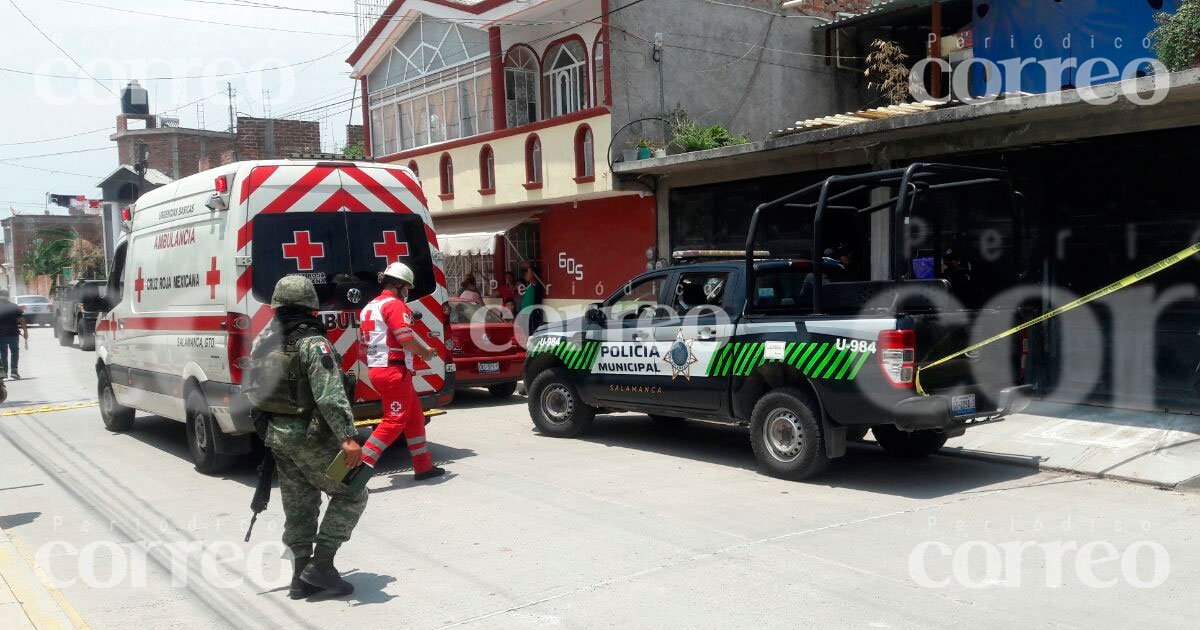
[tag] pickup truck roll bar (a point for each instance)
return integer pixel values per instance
(906, 184)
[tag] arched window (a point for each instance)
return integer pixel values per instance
(565, 77)
(521, 71)
(585, 160)
(487, 171)
(600, 93)
(533, 162)
(446, 173)
(416, 170)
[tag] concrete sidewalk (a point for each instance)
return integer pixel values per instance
(28, 599)
(1160, 449)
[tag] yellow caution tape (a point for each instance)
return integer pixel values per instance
(16, 411)
(374, 421)
(1095, 295)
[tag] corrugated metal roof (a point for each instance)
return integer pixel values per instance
(878, 8)
(850, 118)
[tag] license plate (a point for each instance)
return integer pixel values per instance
(492, 367)
(962, 405)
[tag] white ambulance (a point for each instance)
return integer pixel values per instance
(191, 287)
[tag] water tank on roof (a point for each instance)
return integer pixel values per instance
(135, 99)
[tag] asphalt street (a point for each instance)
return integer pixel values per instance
(633, 526)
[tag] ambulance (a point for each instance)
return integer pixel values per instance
(191, 282)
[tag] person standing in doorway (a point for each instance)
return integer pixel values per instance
(531, 299)
(507, 292)
(12, 328)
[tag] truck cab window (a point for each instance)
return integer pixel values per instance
(639, 299)
(700, 289)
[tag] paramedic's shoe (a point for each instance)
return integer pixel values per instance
(322, 574)
(430, 474)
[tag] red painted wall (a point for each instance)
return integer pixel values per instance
(608, 237)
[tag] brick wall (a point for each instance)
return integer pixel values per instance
(260, 138)
(354, 135)
(177, 153)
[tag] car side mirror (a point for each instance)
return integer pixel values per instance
(595, 314)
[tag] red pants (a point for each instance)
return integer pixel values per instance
(402, 415)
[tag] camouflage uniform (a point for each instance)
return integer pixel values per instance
(305, 446)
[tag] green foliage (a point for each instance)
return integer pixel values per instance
(1176, 40)
(887, 72)
(355, 150)
(48, 253)
(646, 143)
(690, 136)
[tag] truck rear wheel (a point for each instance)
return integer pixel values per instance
(555, 405)
(202, 439)
(786, 435)
(87, 341)
(117, 417)
(64, 338)
(909, 444)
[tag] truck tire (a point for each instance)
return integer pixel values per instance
(909, 444)
(86, 342)
(555, 405)
(202, 442)
(786, 435)
(503, 390)
(117, 417)
(64, 338)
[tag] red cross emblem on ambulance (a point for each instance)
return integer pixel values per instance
(391, 249)
(303, 250)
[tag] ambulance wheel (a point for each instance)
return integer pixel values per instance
(201, 437)
(786, 435)
(117, 417)
(555, 405)
(503, 390)
(909, 444)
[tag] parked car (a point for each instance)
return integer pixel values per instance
(37, 308)
(485, 350)
(77, 306)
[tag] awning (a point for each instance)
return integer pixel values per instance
(460, 236)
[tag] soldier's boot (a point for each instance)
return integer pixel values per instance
(301, 589)
(321, 572)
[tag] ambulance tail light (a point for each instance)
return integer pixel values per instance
(898, 357)
(239, 346)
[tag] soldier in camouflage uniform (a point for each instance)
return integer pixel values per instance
(296, 388)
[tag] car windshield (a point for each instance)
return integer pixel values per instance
(465, 313)
(339, 249)
(32, 299)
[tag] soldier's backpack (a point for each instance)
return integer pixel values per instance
(273, 382)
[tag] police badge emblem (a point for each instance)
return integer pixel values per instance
(680, 357)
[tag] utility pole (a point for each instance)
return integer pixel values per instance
(232, 122)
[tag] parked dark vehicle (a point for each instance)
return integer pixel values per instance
(78, 306)
(808, 356)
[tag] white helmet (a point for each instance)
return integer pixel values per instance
(400, 271)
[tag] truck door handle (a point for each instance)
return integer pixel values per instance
(637, 336)
(707, 334)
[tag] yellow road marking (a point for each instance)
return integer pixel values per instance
(64, 605)
(16, 411)
(1165, 263)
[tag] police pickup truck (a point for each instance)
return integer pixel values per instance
(805, 358)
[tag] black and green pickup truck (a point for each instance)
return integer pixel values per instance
(805, 356)
(78, 306)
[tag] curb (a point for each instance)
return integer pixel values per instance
(1190, 486)
(28, 598)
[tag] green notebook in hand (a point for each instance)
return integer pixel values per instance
(355, 479)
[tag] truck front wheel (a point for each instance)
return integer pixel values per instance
(555, 405)
(786, 435)
(909, 444)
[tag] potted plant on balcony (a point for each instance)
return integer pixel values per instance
(630, 152)
(1176, 40)
(645, 148)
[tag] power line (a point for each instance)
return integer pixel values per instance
(196, 76)
(51, 170)
(74, 135)
(200, 21)
(60, 48)
(43, 155)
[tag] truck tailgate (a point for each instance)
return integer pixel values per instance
(984, 371)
